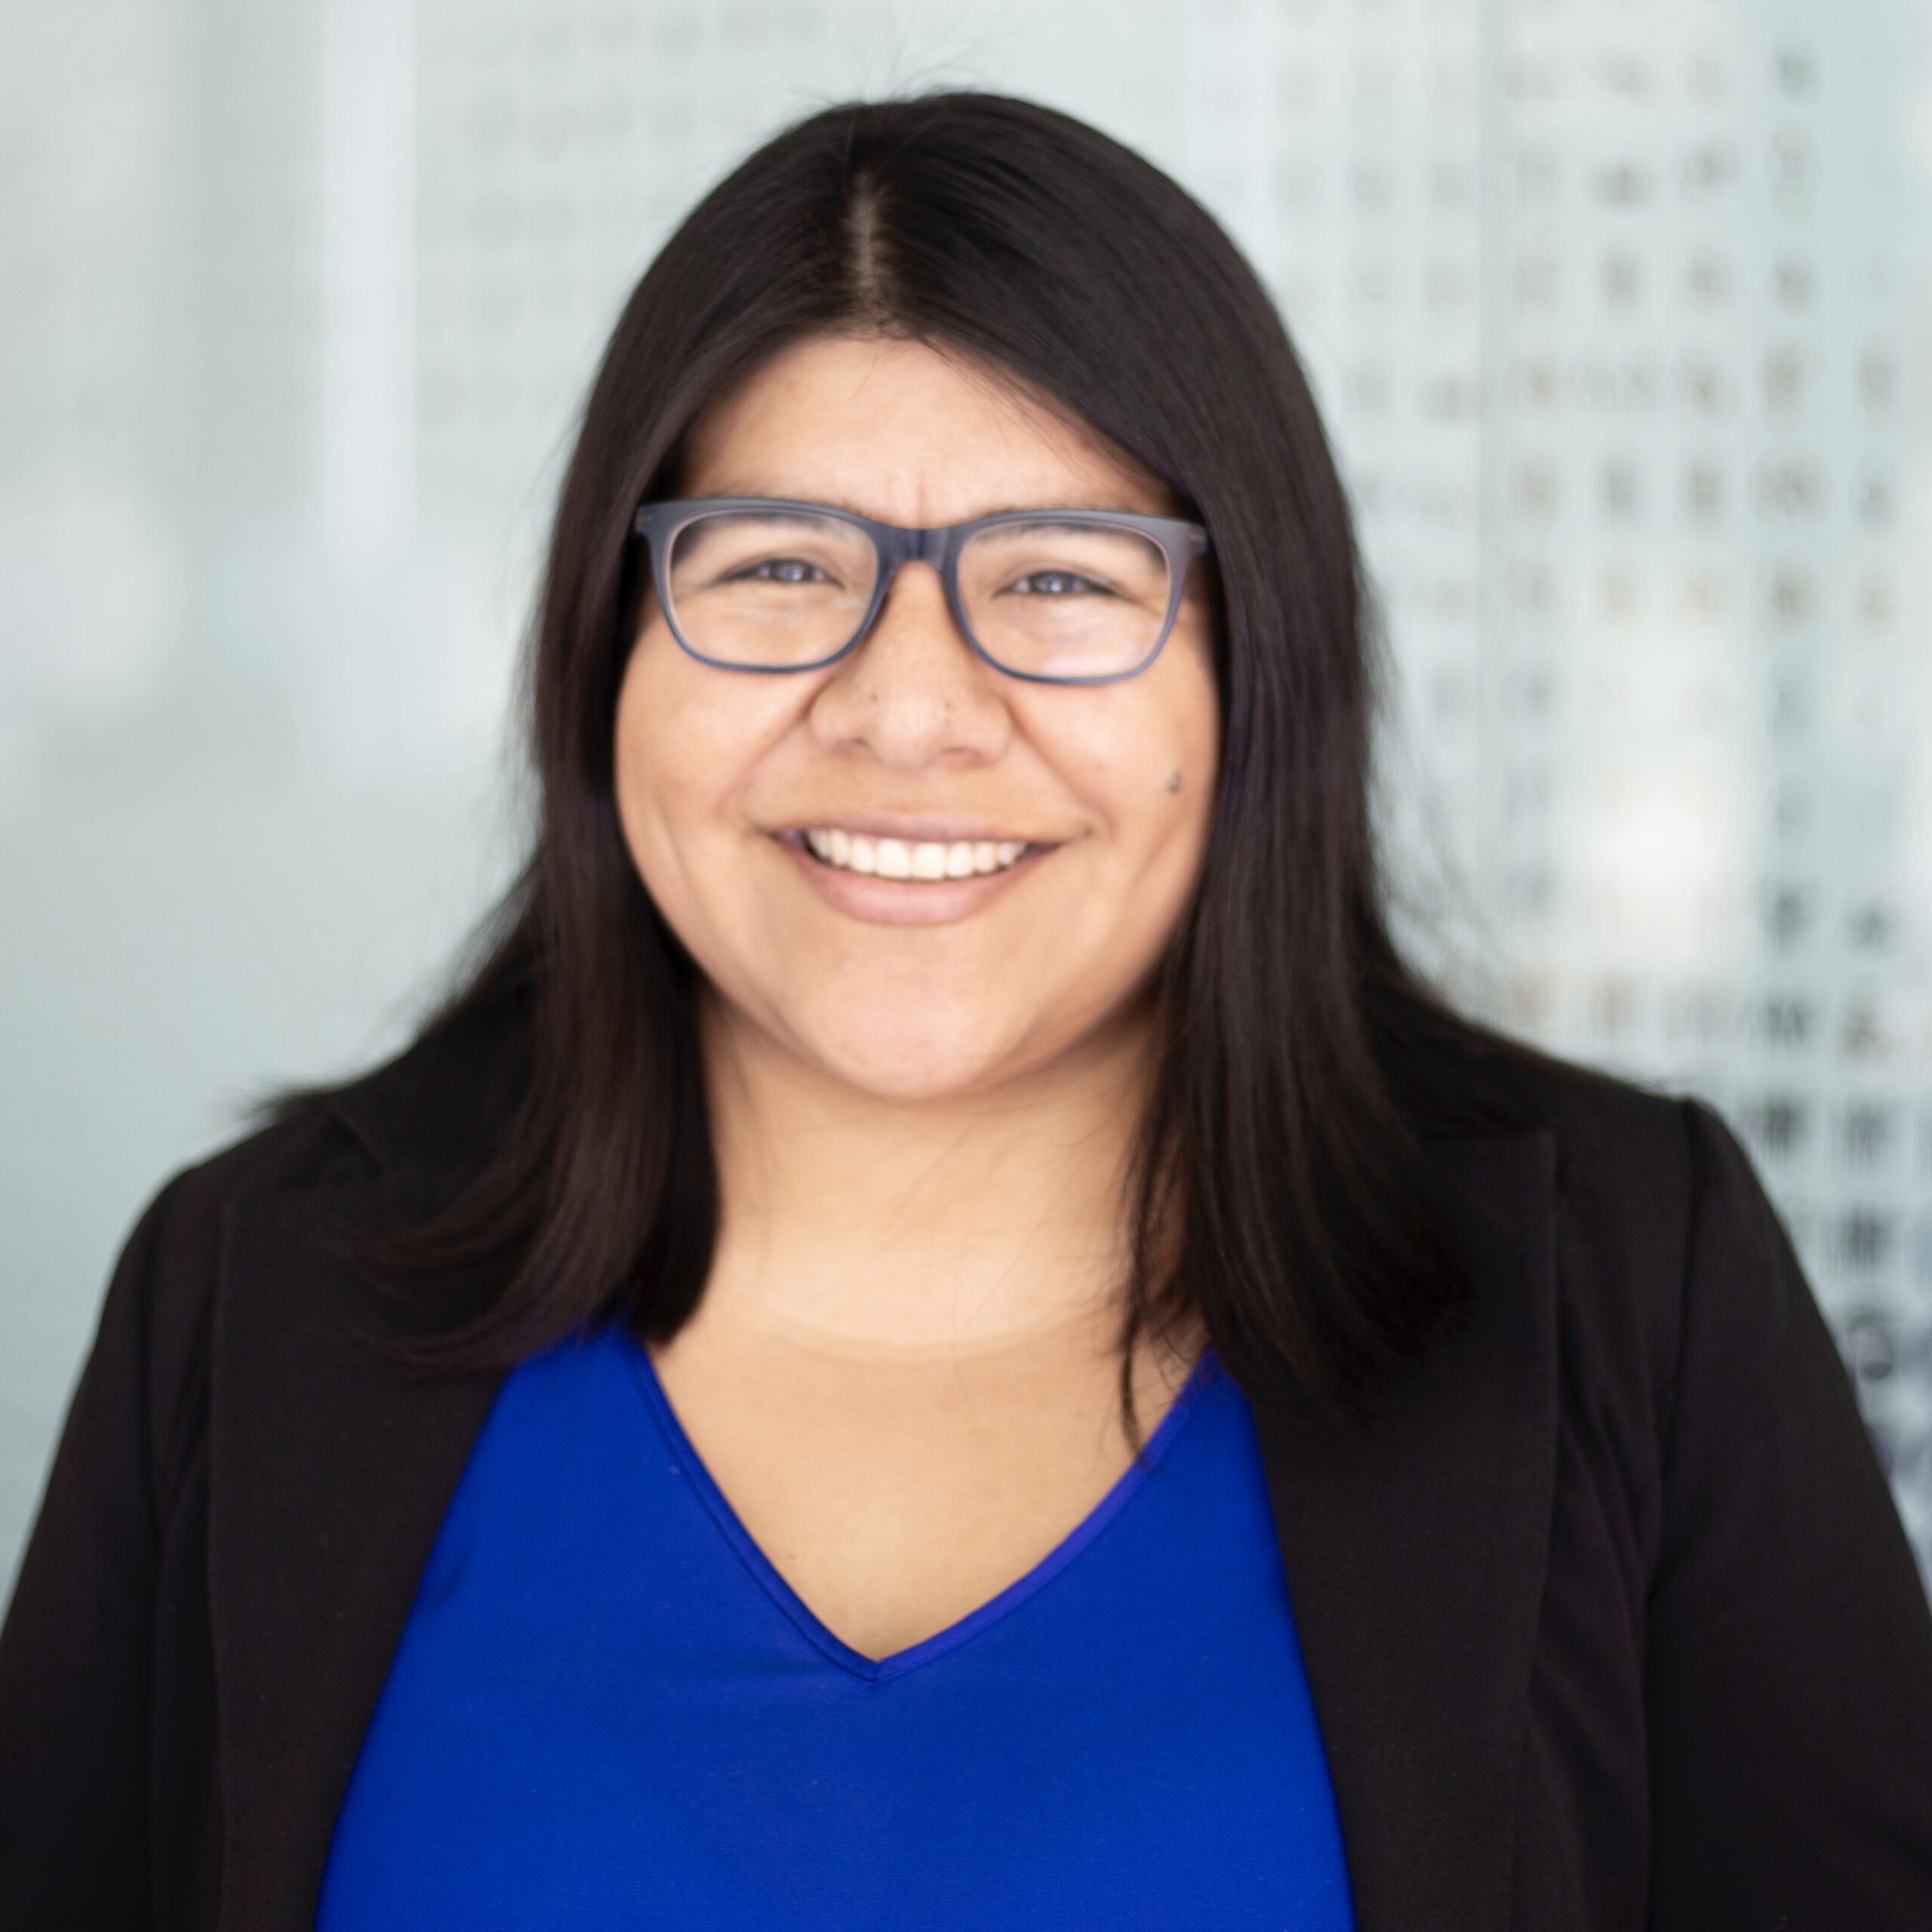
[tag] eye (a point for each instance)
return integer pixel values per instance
(1059, 583)
(777, 570)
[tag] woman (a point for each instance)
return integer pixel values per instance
(941, 1334)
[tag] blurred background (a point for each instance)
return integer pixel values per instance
(1620, 311)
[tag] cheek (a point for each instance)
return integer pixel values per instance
(688, 740)
(655, 776)
(1186, 705)
(1144, 756)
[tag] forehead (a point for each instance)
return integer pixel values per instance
(907, 433)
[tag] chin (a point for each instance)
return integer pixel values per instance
(913, 1055)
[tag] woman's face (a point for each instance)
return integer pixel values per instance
(911, 988)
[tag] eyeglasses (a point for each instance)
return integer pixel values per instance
(1060, 597)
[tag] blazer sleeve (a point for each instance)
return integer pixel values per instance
(75, 1650)
(1789, 1654)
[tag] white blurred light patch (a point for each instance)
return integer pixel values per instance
(1659, 844)
(1665, 797)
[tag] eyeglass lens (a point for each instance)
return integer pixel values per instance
(772, 589)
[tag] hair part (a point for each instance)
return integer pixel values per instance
(868, 269)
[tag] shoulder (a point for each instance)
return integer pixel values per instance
(431, 1109)
(1644, 1180)
(1620, 1160)
(158, 1315)
(1655, 1224)
(1631, 1165)
(1626, 1155)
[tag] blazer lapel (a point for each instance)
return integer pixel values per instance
(330, 1472)
(1415, 1547)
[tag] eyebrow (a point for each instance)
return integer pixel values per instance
(846, 503)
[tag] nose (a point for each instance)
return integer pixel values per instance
(914, 693)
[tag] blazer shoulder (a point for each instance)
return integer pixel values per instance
(1679, 1290)
(435, 1106)
(443, 1099)
(1647, 1176)
(1620, 1145)
(1640, 1173)
(160, 1298)
(1626, 1154)
(1625, 1150)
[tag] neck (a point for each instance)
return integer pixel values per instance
(872, 1226)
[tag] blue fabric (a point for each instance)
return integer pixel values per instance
(609, 1710)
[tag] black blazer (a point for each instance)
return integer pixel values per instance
(1610, 1622)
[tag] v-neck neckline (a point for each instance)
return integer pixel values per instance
(962, 1630)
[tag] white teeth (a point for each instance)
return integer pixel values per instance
(920, 858)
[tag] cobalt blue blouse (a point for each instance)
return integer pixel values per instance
(608, 1709)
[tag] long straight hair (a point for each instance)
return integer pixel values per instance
(1298, 1059)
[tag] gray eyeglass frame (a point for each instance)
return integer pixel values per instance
(659, 522)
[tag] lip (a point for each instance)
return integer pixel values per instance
(896, 902)
(914, 831)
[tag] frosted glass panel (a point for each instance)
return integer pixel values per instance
(1620, 311)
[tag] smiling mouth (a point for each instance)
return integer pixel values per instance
(912, 859)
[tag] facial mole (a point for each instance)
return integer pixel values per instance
(1173, 781)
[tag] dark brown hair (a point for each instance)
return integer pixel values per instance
(1298, 1059)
